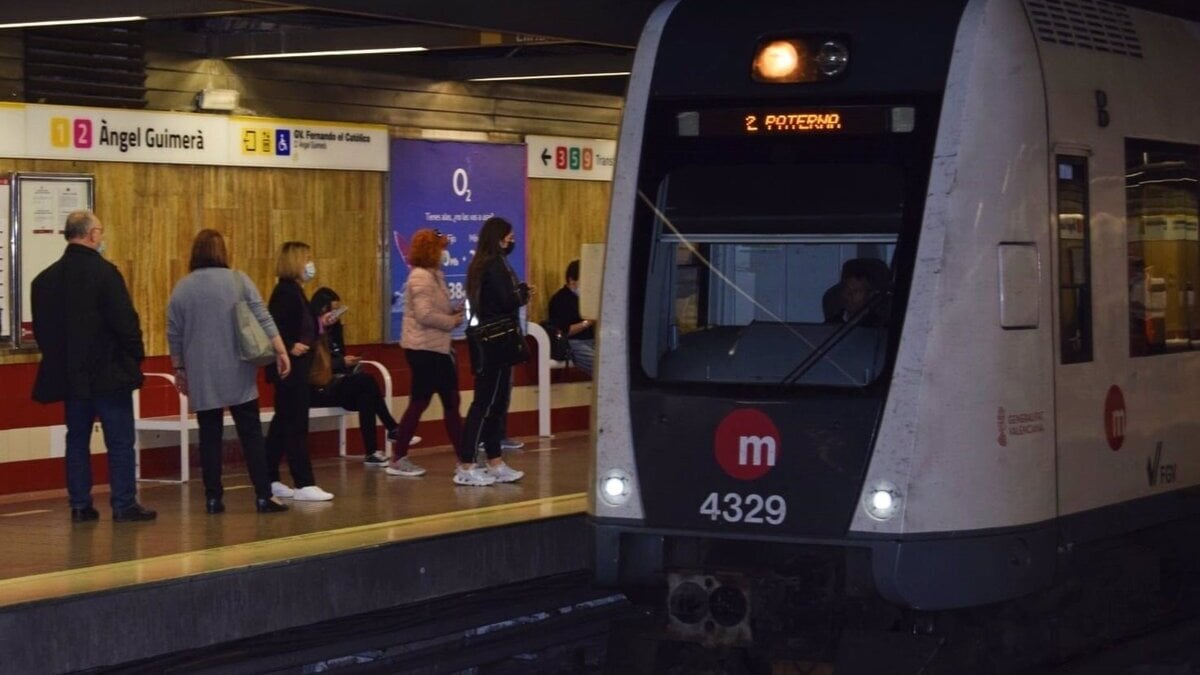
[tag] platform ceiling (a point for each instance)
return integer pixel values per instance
(465, 38)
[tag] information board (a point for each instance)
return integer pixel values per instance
(39, 213)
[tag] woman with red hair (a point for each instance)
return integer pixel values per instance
(429, 317)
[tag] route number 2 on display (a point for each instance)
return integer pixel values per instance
(749, 509)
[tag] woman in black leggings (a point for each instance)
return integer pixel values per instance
(350, 387)
(495, 292)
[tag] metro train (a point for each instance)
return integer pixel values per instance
(898, 308)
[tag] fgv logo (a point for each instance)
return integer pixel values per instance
(747, 444)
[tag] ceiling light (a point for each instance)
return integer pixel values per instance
(72, 22)
(547, 77)
(335, 52)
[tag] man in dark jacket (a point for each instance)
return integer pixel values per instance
(91, 343)
(564, 314)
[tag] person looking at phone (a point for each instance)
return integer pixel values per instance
(429, 317)
(350, 387)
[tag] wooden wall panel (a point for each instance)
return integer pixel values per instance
(561, 216)
(403, 102)
(151, 212)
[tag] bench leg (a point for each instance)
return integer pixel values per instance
(341, 435)
(183, 455)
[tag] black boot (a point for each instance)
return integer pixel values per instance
(269, 505)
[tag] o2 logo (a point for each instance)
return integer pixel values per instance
(461, 184)
(67, 133)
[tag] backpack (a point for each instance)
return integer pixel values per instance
(560, 346)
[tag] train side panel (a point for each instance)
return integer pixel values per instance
(1120, 450)
(969, 427)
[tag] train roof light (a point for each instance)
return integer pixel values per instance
(777, 61)
(800, 59)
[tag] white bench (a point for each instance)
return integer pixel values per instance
(184, 423)
(544, 365)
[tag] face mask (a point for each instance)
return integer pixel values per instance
(512, 245)
(102, 247)
(574, 289)
(310, 270)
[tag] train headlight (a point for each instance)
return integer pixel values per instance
(777, 61)
(882, 501)
(615, 487)
(833, 58)
(801, 59)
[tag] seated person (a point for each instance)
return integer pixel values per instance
(862, 279)
(564, 314)
(351, 388)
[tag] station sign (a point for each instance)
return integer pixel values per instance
(116, 135)
(290, 143)
(570, 158)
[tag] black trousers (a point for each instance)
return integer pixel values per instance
(249, 431)
(485, 420)
(360, 392)
(431, 372)
(289, 428)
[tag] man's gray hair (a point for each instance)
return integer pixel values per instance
(79, 223)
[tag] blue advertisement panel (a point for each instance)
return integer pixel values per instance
(452, 187)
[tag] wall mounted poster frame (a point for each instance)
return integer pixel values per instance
(6, 257)
(40, 204)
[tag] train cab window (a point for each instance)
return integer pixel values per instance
(752, 284)
(1162, 196)
(1074, 261)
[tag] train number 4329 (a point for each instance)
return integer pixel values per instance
(751, 509)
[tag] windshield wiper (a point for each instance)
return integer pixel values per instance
(834, 338)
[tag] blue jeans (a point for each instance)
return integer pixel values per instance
(583, 354)
(115, 412)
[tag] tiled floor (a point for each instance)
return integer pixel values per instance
(45, 555)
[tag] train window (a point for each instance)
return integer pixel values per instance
(1074, 261)
(752, 284)
(1162, 207)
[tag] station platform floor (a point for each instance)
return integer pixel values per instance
(45, 556)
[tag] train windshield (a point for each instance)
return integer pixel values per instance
(772, 274)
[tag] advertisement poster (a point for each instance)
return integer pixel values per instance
(452, 187)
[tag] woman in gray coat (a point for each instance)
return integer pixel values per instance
(202, 338)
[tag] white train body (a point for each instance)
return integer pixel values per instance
(1005, 432)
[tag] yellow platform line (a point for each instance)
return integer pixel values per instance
(178, 565)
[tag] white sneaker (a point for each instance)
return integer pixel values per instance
(504, 473)
(404, 467)
(280, 490)
(312, 493)
(415, 439)
(474, 476)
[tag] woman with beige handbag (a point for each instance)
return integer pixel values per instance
(204, 340)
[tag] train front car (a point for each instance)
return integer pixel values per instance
(827, 350)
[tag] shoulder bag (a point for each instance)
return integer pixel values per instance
(321, 372)
(253, 344)
(496, 344)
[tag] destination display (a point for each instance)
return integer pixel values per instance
(786, 120)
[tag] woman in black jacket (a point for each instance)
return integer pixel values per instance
(494, 292)
(299, 330)
(350, 387)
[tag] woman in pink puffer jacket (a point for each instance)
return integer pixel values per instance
(429, 316)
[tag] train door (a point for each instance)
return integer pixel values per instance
(1077, 373)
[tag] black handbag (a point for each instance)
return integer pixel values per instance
(560, 346)
(498, 343)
